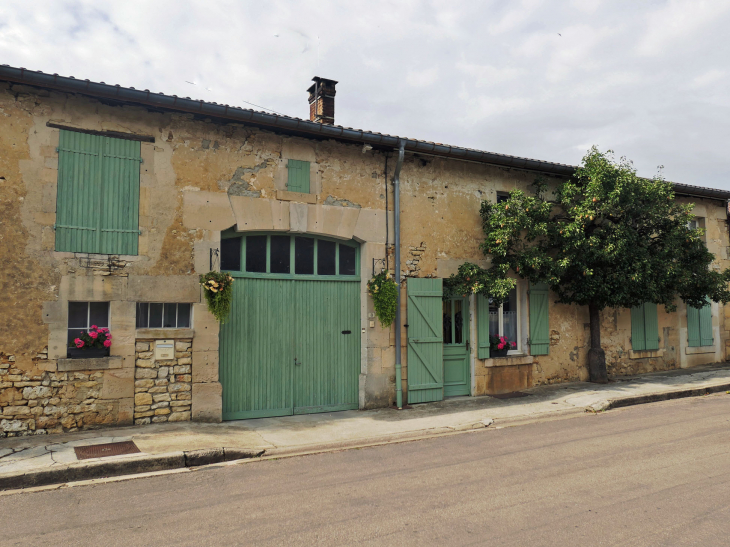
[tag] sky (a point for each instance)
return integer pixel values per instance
(541, 79)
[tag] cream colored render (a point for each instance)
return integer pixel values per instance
(200, 177)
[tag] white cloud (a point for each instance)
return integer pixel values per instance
(648, 80)
(677, 21)
(422, 78)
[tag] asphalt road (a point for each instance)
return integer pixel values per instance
(649, 475)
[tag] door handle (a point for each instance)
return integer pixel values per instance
(297, 362)
(467, 346)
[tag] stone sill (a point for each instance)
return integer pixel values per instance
(163, 334)
(60, 255)
(96, 363)
(283, 195)
(699, 349)
(646, 354)
(509, 361)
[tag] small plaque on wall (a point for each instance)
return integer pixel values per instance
(164, 350)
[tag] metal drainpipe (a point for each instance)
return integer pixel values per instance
(396, 208)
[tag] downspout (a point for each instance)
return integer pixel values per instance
(398, 326)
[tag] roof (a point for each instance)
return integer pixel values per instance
(300, 126)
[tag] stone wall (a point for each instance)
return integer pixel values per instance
(163, 389)
(39, 401)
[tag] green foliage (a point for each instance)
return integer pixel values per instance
(607, 238)
(218, 291)
(384, 291)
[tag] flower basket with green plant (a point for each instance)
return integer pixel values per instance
(94, 343)
(384, 292)
(499, 346)
(218, 291)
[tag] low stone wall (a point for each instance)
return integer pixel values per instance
(163, 389)
(39, 402)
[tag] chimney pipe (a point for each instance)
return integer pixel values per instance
(322, 100)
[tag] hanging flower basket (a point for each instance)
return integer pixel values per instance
(384, 292)
(218, 291)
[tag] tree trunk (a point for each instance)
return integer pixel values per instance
(596, 355)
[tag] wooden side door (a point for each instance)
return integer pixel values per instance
(425, 340)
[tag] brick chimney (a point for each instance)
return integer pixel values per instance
(322, 100)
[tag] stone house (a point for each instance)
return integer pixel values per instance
(114, 200)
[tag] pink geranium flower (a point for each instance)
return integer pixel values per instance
(94, 327)
(107, 343)
(104, 330)
(79, 343)
(93, 334)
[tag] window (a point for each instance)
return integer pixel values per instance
(298, 180)
(82, 315)
(699, 326)
(97, 203)
(231, 254)
(644, 327)
(288, 255)
(154, 315)
(698, 223)
(504, 320)
(502, 196)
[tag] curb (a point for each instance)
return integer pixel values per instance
(131, 465)
(656, 397)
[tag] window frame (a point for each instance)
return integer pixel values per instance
(518, 319)
(163, 327)
(292, 261)
(88, 317)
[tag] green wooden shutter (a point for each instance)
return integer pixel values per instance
(97, 204)
(482, 327)
(651, 326)
(539, 323)
(638, 339)
(693, 327)
(425, 340)
(706, 338)
(120, 196)
(298, 176)
(78, 192)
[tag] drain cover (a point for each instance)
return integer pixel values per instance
(512, 395)
(104, 450)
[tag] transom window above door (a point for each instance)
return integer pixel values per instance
(288, 255)
(504, 321)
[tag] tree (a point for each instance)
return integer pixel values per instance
(607, 239)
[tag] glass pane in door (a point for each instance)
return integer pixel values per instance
(458, 322)
(447, 322)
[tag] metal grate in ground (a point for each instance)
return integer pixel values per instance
(104, 450)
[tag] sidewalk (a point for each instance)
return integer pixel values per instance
(51, 459)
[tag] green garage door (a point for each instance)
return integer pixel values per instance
(291, 344)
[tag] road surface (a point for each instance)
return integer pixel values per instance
(650, 475)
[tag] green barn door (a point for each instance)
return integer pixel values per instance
(425, 340)
(257, 351)
(327, 346)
